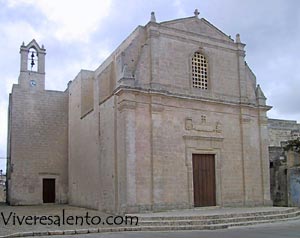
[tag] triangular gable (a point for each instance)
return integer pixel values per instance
(196, 25)
(33, 44)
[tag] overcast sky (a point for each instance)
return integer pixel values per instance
(80, 34)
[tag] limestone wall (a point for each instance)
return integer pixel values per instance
(282, 130)
(108, 157)
(84, 180)
(38, 144)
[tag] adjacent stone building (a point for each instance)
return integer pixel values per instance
(284, 166)
(172, 119)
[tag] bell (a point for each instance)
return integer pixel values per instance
(32, 60)
(32, 63)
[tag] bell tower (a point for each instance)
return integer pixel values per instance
(32, 70)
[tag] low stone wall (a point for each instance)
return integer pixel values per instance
(2, 194)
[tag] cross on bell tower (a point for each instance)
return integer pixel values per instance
(196, 12)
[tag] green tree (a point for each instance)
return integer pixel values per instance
(293, 145)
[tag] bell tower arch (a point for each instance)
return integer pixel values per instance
(32, 66)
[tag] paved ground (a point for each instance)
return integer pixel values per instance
(276, 230)
(47, 210)
(290, 229)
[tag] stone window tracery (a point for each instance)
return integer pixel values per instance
(199, 71)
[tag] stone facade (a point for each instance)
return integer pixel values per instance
(135, 122)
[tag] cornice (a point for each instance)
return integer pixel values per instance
(165, 93)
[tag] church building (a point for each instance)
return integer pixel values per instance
(172, 119)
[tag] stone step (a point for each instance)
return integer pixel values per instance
(181, 225)
(164, 228)
(218, 221)
(157, 217)
(193, 227)
(249, 223)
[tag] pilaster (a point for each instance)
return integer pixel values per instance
(264, 156)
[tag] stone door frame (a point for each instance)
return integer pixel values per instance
(203, 145)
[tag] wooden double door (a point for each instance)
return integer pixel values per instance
(204, 180)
